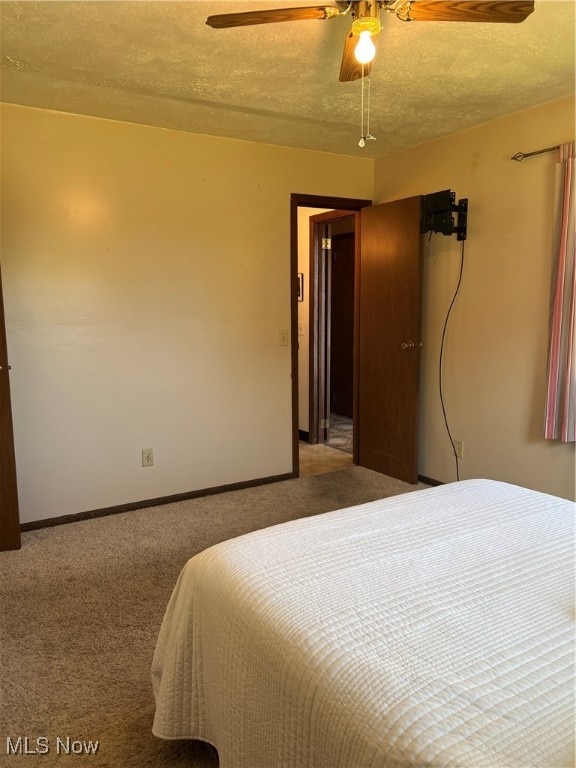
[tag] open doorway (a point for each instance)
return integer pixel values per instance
(331, 329)
(317, 328)
(387, 311)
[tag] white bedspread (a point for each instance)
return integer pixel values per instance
(434, 628)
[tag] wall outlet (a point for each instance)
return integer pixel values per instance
(459, 448)
(147, 457)
(283, 338)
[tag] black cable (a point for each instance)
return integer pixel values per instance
(456, 292)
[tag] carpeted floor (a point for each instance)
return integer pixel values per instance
(82, 605)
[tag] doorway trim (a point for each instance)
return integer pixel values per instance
(9, 514)
(301, 200)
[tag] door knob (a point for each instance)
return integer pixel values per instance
(408, 345)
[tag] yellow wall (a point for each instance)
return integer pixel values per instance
(146, 279)
(496, 353)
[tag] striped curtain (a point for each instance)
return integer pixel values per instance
(561, 396)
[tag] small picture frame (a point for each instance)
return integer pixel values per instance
(300, 286)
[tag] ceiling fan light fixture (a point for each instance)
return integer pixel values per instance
(365, 49)
(365, 27)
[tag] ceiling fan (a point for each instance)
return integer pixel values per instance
(359, 48)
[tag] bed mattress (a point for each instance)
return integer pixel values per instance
(435, 628)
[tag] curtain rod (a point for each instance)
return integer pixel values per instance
(519, 156)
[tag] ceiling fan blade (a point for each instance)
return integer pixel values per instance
(500, 11)
(351, 69)
(248, 18)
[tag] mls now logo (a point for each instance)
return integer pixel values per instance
(24, 745)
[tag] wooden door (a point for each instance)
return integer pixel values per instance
(342, 324)
(9, 518)
(388, 339)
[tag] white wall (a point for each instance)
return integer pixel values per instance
(146, 278)
(496, 353)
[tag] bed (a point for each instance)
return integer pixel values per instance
(435, 628)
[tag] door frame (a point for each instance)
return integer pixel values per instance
(301, 200)
(9, 515)
(319, 321)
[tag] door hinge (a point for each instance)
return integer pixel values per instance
(326, 243)
(324, 423)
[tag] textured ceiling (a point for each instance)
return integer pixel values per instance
(157, 63)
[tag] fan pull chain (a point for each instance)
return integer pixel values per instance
(365, 136)
(362, 141)
(368, 113)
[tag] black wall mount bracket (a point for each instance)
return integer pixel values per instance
(436, 214)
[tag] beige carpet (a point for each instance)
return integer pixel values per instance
(82, 604)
